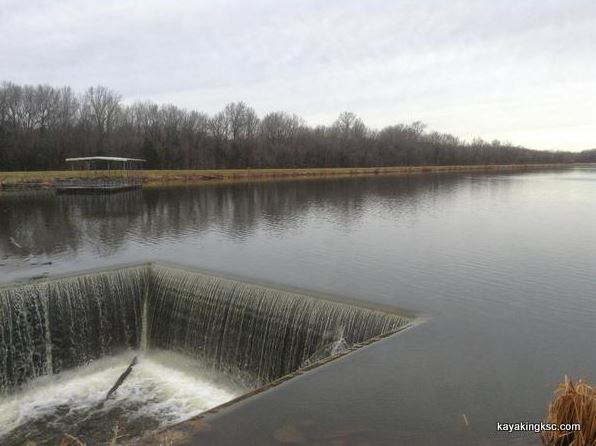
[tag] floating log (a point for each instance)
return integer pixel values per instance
(122, 378)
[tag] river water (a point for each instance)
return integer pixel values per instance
(501, 269)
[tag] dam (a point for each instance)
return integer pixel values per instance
(63, 341)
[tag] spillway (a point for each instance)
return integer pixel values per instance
(259, 332)
(54, 325)
(250, 334)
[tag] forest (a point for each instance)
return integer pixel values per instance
(42, 125)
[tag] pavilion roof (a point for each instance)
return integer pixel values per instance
(104, 158)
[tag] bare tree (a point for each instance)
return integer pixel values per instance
(102, 107)
(41, 125)
(242, 121)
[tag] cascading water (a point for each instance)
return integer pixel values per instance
(236, 335)
(256, 332)
(54, 325)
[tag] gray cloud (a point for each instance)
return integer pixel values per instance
(522, 71)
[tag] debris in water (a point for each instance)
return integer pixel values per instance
(465, 419)
(114, 434)
(70, 440)
(14, 242)
(122, 378)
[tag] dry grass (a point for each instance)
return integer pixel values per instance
(70, 440)
(185, 176)
(573, 403)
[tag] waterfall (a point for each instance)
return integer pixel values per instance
(251, 332)
(53, 325)
(24, 339)
(255, 332)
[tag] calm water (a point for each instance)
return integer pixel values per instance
(501, 267)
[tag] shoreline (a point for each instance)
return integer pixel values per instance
(46, 179)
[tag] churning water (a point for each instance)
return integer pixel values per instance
(164, 388)
(203, 340)
(52, 326)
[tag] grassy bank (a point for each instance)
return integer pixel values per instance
(164, 177)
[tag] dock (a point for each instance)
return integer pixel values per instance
(109, 175)
(93, 187)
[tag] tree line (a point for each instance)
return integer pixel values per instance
(42, 125)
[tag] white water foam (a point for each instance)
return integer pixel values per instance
(164, 387)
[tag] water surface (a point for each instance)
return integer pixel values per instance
(501, 267)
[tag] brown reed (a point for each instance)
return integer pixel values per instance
(572, 403)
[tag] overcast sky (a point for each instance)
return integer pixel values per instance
(523, 71)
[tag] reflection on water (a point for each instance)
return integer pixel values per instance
(502, 266)
(46, 226)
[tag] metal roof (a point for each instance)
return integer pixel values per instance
(104, 158)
